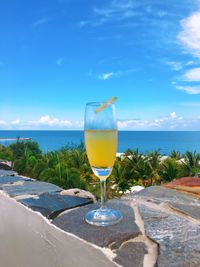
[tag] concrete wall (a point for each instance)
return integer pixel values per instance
(27, 239)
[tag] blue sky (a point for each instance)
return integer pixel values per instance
(57, 55)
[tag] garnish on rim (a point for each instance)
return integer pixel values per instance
(109, 102)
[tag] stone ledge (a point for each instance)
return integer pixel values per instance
(161, 227)
(28, 239)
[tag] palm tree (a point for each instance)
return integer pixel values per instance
(119, 174)
(175, 155)
(169, 170)
(191, 162)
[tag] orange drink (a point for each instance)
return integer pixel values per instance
(101, 147)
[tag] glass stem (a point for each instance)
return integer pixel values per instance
(103, 194)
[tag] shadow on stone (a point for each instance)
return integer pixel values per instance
(111, 236)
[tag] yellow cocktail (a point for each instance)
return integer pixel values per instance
(101, 147)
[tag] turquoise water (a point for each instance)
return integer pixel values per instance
(145, 141)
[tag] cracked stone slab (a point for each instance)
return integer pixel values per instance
(187, 204)
(51, 204)
(131, 254)
(78, 192)
(111, 236)
(30, 188)
(190, 210)
(11, 180)
(7, 173)
(178, 238)
(158, 194)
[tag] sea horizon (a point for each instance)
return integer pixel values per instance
(144, 141)
(79, 130)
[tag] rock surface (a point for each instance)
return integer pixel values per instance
(40, 196)
(51, 204)
(177, 237)
(30, 187)
(131, 254)
(160, 228)
(9, 180)
(7, 173)
(79, 193)
(112, 236)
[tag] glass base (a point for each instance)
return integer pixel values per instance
(103, 217)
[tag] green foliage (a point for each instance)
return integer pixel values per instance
(20, 149)
(5, 153)
(120, 174)
(175, 155)
(191, 162)
(169, 169)
(69, 167)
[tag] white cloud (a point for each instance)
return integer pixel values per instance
(175, 65)
(2, 123)
(10, 125)
(173, 115)
(190, 62)
(161, 13)
(48, 121)
(106, 75)
(189, 37)
(170, 122)
(119, 73)
(114, 10)
(60, 61)
(39, 22)
(15, 122)
(117, 9)
(193, 75)
(83, 23)
(192, 90)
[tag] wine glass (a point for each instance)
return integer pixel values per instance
(101, 146)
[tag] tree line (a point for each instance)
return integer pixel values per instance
(69, 167)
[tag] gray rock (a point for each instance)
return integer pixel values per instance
(12, 179)
(51, 204)
(30, 188)
(131, 254)
(182, 202)
(178, 238)
(159, 194)
(190, 210)
(79, 193)
(110, 236)
(7, 173)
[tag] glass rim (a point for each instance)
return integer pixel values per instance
(98, 103)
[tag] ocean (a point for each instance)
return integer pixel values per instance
(144, 141)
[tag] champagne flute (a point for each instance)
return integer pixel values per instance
(101, 147)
